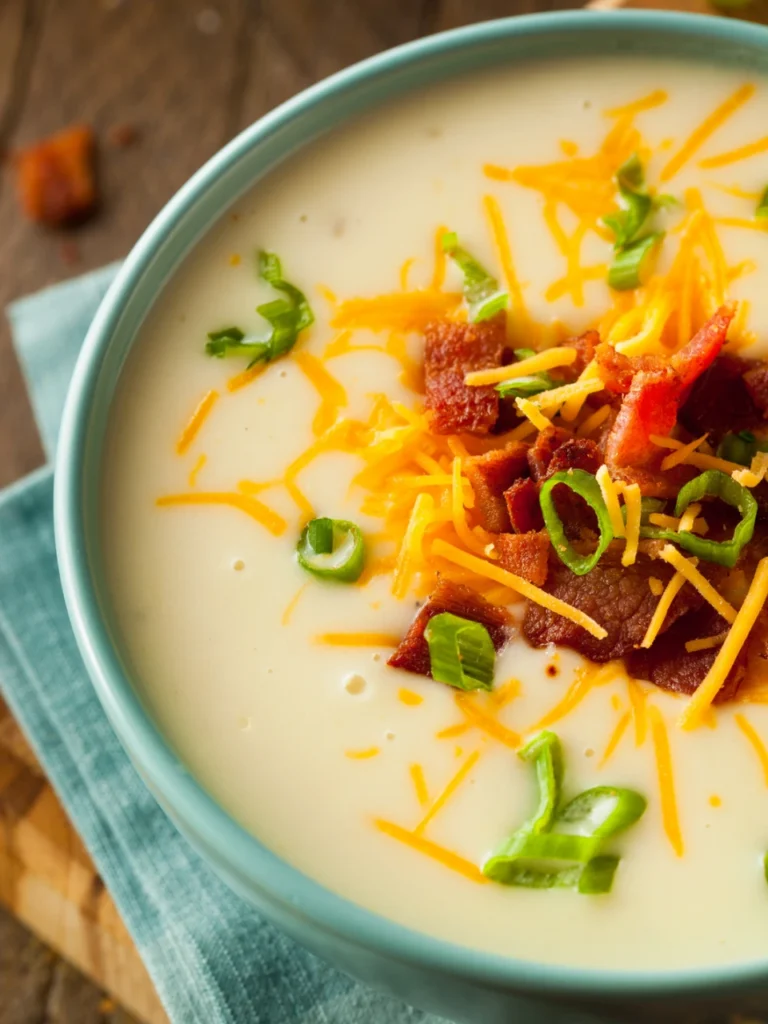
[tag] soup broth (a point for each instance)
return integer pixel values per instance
(386, 786)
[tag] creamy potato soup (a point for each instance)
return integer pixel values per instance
(585, 531)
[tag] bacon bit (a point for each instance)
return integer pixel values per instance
(491, 475)
(56, 177)
(522, 500)
(451, 351)
(448, 792)
(616, 737)
(196, 420)
(651, 405)
(419, 784)
(666, 781)
(445, 857)
(412, 652)
(357, 639)
(362, 755)
(253, 508)
(525, 554)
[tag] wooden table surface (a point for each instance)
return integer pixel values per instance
(186, 75)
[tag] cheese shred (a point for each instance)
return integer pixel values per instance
(671, 591)
(687, 568)
(439, 853)
(666, 778)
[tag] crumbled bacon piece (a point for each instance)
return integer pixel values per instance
(721, 400)
(491, 475)
(451, 351)
(575, 453)
(586, 346)
(523, 507)
(651, 404)
(652, 482)
(56, 177)
(542, 451)
(668, 665)
(614, 369)
(525, 554)
(756, 382)
(412, 653)
(618, 597)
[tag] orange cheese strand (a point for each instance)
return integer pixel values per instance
(405, 270)
(477, 716)
(448, 792)
(638, 697)
(504, 249)
(666, 781)
(196, 420)
(362, 755)
(358, 639)
(438, 273)
(757, 744)
(333, 395)
(445, 857)
(452, 731)
(251, 506)
(398, 311)
(586, 679)
(707, 128)
(192, 479)
(653, 99)
(290, 608)
(419, 784)
(241, 380)
(733, 155)
(409, 698)
(616, 736)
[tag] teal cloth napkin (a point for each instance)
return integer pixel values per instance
(213, 959)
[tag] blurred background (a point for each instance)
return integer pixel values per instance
(153, 88)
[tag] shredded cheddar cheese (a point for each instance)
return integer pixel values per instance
(671, 591)
(549, 359)
(734, 155)
(756, 742)
(358, 639)
(332, 394)
(251, 506)
(433, 850)
(193, 473)
(556, 396)
(696, 459)
(419, 784)
(409, 697)
(477, 716)
(755, 474)
(632, 499)
(517, 583)
(611, 498)
(290, 608)
(440, 802)
(689, 518)
(705, 643)
(362, 755)
(615, 739)
(638, 697)
(656, 586)
(245, 377)
(706, 129)
(654, 99)
(410, 554)
(687, 568)
(679, 456)
(532, 413)
(196, 420)
(666, 778)
(398, 311)
(726, 656)
(592, 422)
(585, 681)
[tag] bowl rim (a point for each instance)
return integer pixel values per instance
(159, 766)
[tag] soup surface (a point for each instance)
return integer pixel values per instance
(386, 786)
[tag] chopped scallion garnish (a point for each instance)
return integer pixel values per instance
(524, 387)
(461, 652)
(627, 222)
(524, 353)
(287, 317)
(587, 487)
(481, 289)
(741, 447)
(332, 549)
(762, 206)
(631, 265)
(563, 848)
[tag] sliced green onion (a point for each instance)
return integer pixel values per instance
(631, 265)
(596, 879)
(320, 536)
(627, 222)
(524, 353)
(741, 447)
(602, 811)
(587, 487)
(461, 652)
(765, 867)
(524, 387)
(712, 484)
(481, 289)
(762, 206)
(541, 855)
(286, 316)
(344, 562)
(545, 753)
(648, 507)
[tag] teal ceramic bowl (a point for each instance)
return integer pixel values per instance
(462, 984)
